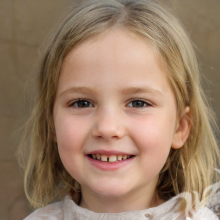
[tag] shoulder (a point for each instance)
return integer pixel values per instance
(204, 214)
(53, 211)
(170, 210)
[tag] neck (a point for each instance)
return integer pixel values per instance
(129, 202)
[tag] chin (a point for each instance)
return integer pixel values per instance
(109, 191)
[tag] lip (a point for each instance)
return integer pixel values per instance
(109, 166)
(108, 153)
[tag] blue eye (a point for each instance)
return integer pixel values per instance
(138, 104)
(82, 104)
(86, 104)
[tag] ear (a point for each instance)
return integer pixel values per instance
(182, 130)
(54, 136)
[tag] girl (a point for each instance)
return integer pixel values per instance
(121, 128)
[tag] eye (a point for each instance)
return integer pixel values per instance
(138, 104)
(86, 104)
(81, 104)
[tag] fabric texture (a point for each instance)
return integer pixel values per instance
(68, 210)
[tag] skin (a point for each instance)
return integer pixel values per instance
(107, 64)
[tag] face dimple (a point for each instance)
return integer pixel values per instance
(108, 66)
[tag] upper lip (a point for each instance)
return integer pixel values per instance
(108, 152)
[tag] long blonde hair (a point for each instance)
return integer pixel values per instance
(188, 169)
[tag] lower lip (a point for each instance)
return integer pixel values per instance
(110, 166)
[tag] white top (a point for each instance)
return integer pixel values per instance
(68, 210)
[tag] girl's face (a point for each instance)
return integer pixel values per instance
(114, 99)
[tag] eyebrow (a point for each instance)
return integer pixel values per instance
(146, 89)
(124, 91)
(79, 90)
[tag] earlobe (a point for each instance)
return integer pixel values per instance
(182, 130)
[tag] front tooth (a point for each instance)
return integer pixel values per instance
(119, 157)
(103, 158)
(98, 156)
(124, 157)
(93, 156)
(112, 159)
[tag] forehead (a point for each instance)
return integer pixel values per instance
(115, 56)
(113, 42)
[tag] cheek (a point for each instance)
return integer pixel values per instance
(70, 140)
(153, 136)
(70, 132)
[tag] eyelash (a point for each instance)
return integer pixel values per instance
(135, 100)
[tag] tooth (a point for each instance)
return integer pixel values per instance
(98, 156)
(93, 156)
(112, 159)
(119, 157)
(103, 158)
(124, 157)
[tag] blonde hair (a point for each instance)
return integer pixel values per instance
(188, 169)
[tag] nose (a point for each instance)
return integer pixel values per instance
(108, 126)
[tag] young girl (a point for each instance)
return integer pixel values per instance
(121, 128)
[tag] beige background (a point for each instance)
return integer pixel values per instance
(23, 27)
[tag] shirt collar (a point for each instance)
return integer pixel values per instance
(160, 212)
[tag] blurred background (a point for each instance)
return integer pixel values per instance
(24, 24)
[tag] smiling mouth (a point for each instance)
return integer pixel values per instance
(110, 158)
